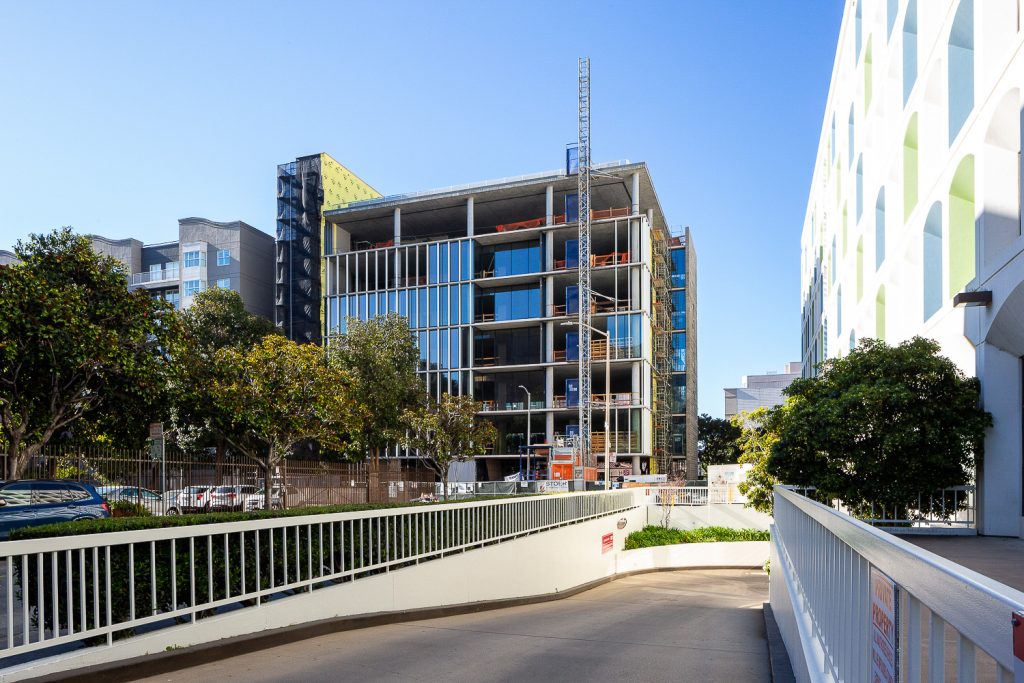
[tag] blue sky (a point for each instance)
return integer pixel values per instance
(120, 118)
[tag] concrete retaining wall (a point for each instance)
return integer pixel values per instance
(733, 516)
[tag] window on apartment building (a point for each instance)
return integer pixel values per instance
(154, 269)
(224, 283)
(192, 287)
(174, 298)
(192, 259)
(223, 257)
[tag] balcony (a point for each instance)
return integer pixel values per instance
(596, 260)
(168, 273)
(623, 399)
(620, 349)
(618, 442)
(494, 406)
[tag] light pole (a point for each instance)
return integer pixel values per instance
(529, 430)
(607, 392)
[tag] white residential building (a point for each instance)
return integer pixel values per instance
(913, 221)
(760, 391)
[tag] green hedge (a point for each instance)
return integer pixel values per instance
(348, 552)
(651, 536)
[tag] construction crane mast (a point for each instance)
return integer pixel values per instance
(583, 217)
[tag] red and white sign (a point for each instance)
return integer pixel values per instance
(607, 543)
(883, 628)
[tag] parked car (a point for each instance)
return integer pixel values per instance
(256, 500)
(150, 500)
(225, 498)
(191, 499)
(35, 502)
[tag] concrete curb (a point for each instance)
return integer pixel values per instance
(778, 657)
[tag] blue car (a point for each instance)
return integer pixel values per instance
(35, 502)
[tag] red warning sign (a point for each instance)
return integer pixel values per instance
(607, 543)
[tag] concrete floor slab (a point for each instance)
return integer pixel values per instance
(697, 625)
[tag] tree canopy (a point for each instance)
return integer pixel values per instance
(447, 431)
(279, 394)
(716, 442)
(74, 344)
(882, 425)
(379, 357)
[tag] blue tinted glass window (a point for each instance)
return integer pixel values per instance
(371, 306)
(403, 302)
(467, 260)
(572, 393)
(678, 267)
(453, 294)
(679, 310)
(432, 263)
(572, 254)
(432, 306)
(392, 302)
(679, 351)
(423, 307)
(382, 303)
(444, 349)
(443, 268)
(572, 345)
(535, 302)
(572, 208)
(502, 305)
(362, 307)
(455, 348)
(443, 305)
(434, 351)
(453, 264)
(572, 299)
(467, 303)
(423, 350)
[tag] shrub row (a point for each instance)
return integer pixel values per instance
(651, 536)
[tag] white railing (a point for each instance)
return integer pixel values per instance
(61, 591)
(821, 595)
(697, 495)
(950, 510)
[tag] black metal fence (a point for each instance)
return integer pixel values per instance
(302, 482)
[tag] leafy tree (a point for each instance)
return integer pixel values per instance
(216, 320)
(881, 426)
(74, 344)
(758, 434)
(379, 357)
(716, 442)
(446, 431)
(279, 394)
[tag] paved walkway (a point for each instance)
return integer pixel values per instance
(701, 626)
(997, 558)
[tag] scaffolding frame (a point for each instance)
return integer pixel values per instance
(583, 217)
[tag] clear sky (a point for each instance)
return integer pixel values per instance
(120, 118)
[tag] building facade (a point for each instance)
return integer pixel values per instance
(913, 224)
(487, 276)
(305, 187)
(231, 255)
(760, 391)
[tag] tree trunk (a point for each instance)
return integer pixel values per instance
(219, 462)
(268, 480)
(373, 477)
(444, 486)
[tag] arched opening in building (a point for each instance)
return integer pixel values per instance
(931, 262)
(1000, 221)
(880, 314)
(909, 50)
(880, 229)
(961, 226)
(910, 155)
(961, 68)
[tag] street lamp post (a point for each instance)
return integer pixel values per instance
(607, 393)
(529, 428)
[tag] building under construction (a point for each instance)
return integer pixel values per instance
(488, 276)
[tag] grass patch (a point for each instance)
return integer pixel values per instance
(651, 536)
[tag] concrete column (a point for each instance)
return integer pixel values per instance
(549, 428)
(999, 481)
(549, 203)
(469, 217)
(636, 195)
(549, 386)
(636, 464)
(398, 225)
(549, 251)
